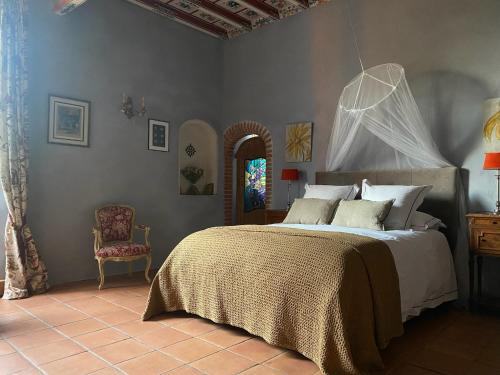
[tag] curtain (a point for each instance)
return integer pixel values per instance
(25, 272)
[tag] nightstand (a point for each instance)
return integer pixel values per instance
(275, 216)
(484, 240)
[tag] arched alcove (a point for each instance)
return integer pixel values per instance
(197, 158)
(232, 135)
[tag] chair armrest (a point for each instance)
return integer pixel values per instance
(146, 229)
(97, 239)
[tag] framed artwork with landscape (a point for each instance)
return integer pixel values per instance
(68, 121)
(158, 135)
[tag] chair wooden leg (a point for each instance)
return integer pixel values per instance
(129, 269)
(148, 265)
(101, 273)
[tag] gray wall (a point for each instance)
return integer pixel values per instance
(295, 70)
(96, 53)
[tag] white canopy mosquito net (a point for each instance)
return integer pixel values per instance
(379, 126)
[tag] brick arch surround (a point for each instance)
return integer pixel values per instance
(232, 135)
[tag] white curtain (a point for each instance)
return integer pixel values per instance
(379, 126)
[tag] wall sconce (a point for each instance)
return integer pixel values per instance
(128, 107)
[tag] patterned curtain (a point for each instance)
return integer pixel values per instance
(25, 272)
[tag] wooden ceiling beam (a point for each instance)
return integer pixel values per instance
(261, 8)
(222, 13)
(304, 4)
(183, 17)
(65, 6)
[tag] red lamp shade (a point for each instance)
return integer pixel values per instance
(491, 160)
(290, 174)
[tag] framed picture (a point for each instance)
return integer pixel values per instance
(491, 125)
(158, 135)
(298, 142)
(69, 121)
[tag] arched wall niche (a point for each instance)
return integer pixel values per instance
(197, 158)
(232, 135)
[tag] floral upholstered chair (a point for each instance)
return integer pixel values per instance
(113, 238)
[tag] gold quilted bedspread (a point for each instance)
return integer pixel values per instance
(334, 297)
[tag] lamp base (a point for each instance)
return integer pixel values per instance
(497, 205)
(288, 203)
(497, 209)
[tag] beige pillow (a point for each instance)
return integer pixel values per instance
(311, 211)
(362, 214)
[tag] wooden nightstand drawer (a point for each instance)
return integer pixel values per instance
(486, 241)
(491, 221)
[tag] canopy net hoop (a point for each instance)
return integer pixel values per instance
(378, 125)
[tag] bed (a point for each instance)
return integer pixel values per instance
(337, 295)
(423, 262)
(425, 281)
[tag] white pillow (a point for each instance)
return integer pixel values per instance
(331, 192)
(406, 201)
(422, 222)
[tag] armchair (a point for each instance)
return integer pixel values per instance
(113, 239)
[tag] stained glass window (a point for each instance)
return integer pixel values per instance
(254, 195)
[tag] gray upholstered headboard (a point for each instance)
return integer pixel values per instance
(441, 202)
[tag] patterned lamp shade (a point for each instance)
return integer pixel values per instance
(491, 160)
(290, 174)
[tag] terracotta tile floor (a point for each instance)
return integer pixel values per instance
(76, 329)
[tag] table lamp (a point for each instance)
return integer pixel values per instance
(289, 175)
(492, 161)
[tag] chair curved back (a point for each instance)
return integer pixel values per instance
(116, 222)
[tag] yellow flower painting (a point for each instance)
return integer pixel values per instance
(298, 147)
(491, 125)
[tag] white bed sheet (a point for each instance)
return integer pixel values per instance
(423, 262)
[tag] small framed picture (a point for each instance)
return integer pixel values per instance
(68, 121)
(158, 135)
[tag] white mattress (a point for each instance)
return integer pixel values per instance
(423, 262)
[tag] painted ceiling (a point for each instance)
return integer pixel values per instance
(220, 18)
